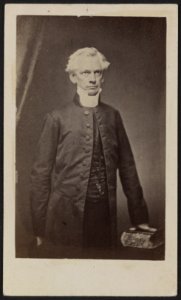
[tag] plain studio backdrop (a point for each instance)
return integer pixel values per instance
(134, 84)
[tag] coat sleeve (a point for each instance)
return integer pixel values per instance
(129, 178)
(41, 174)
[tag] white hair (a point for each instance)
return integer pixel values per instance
(72, 64)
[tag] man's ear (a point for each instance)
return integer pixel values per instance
(73, 78)
(102, 79)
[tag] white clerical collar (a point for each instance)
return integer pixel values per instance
(86, 100)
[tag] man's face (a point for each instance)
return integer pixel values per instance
(89, 74)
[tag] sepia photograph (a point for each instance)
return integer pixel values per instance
(90, 137)
(74, 89)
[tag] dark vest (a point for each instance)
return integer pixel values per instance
(96, 215)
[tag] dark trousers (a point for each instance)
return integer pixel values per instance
(97, 231)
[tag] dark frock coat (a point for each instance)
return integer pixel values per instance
(60, 174)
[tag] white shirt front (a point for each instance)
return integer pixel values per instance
(86, 100)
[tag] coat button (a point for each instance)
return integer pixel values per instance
(88, 125)
(87, 137)
(86, 112)
(84, 163)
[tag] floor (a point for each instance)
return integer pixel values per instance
(50, 251)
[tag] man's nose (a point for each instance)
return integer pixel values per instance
(92, 77)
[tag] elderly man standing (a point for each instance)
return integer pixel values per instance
(73, 194)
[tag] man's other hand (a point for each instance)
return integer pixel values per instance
(39, 241)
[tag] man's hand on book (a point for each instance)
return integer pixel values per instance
(143, 227)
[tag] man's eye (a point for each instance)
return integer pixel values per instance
(98, 72)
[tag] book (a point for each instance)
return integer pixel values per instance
(142, 239)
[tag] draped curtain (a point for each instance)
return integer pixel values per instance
(30, 33)
(29, 42)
